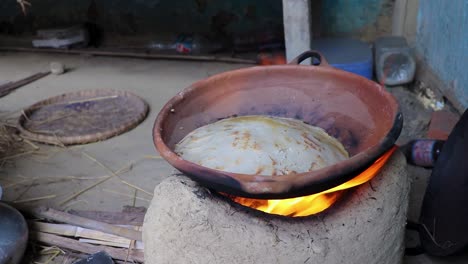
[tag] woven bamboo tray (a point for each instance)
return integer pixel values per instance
(82, 117)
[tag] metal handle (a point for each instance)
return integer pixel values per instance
(313, 55)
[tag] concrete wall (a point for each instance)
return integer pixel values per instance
(146, 16)
(442, 40)
(366, 19)
(360, 18)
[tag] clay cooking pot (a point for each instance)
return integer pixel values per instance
(360, 113)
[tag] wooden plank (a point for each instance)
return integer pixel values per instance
(51, 214)
(68, 243)
(79, 232)
(57, 229)
(138, 245)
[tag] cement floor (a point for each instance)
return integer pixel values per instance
(64, 172)
(58, 173)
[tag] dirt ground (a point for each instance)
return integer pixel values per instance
(53, 174)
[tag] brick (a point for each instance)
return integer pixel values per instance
(442, 123)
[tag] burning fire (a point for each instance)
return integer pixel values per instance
(315, 203)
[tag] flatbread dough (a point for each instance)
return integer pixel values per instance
(261, 145)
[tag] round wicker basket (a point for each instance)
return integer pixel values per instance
(82, 117)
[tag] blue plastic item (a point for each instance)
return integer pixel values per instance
(346, 54)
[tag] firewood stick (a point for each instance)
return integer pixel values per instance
(9, 87)
(79, 232)
(133, 54)
(67, 218)
(72, 244)
(139, 245)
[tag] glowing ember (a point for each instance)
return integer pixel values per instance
(315, 203)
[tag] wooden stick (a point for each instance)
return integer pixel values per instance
(29, 142)
(11, 86)
(136, 187)
(51, 214)
(133, 55)
(17, 155)
(99, 163)
(89, 100)
(138, 244)
(35, 199)
(114, 174)
(38, 123)
(72, 244)
(84, 234)
(73, 196)
(134, 197)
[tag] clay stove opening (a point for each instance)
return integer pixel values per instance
(314, 203)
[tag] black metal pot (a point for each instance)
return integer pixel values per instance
(13, 235)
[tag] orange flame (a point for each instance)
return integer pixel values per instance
(315, 203)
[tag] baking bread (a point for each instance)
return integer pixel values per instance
(261, 145)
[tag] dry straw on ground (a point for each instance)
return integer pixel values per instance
(6, 141)
(10, 144)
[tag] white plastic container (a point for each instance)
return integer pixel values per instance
(394, 62)
(61, 38)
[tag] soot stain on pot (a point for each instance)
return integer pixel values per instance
(345, 136)
(230, 116)
(278, 111)
(221, 180)
(349, 140)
